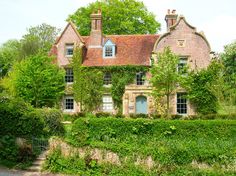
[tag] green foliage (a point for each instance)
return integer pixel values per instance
(9, 150)
(165, 76)
(229, 60)
(21, 120)
(119, 17)
(200, 92)
(172, 144)
(39, 39)
(18, 118)
(88, 84)
(37, 80)
(52, 119)
(9, 53)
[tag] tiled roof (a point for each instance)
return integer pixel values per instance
(130, 50)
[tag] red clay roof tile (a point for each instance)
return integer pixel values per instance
(130, 50)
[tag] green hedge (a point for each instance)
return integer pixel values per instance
(21, 120)
(172, 144)
(172, 141)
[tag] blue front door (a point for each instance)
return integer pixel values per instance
(141, 105)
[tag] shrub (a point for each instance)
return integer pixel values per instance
(8, 148)
(135, 116)
(18, 118)
(103, 114)
(52, 119)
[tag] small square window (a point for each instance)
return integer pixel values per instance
(181, 103)
(140, 78)
(69, 103)
(69, 50)
(69, 77)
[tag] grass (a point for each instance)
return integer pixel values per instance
(173, 145)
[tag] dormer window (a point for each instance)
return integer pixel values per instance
(69, 50)
(109, 49)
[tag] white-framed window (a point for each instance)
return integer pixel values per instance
(69, 50)
(181, 103)
(109, 49)
(140, 80)
(107, 79)
(107, 103)
(68, 103)
(69, 77)
(182, 65)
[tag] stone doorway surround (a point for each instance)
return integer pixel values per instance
(129, 98)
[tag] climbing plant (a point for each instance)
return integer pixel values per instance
(88, 82)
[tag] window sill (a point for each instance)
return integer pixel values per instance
(111, 57)
(69, 56)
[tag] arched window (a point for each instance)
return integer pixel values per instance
(109, 49)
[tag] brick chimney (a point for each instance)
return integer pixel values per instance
(170, 18)
(95, 39)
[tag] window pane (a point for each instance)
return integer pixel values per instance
(69, 103)
(181, 103)
(140, 78)
(107, 103)
(107, 79)
(108, 51)
(181, 65)
(69, 49)
(69, 77)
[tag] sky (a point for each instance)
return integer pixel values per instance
(216, 18)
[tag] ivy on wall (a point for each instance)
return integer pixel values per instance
(88, 82)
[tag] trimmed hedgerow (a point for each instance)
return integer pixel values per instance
(176, 146)
(168, 142)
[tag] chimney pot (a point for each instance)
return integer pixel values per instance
(170, 18)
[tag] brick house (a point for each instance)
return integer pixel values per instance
(117, 50)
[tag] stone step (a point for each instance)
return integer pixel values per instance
(34, 168)
(38, 162)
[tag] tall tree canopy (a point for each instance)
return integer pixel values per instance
(37, 80)
(38, 39)
(9, 52)
(119, 17)
(229, 60)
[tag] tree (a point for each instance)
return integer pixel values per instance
(38, 39)
(203, 88)
(165, 76)
(119, 17)
(36, 80)
(88, 84)
(229, 60)
(9, 52)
